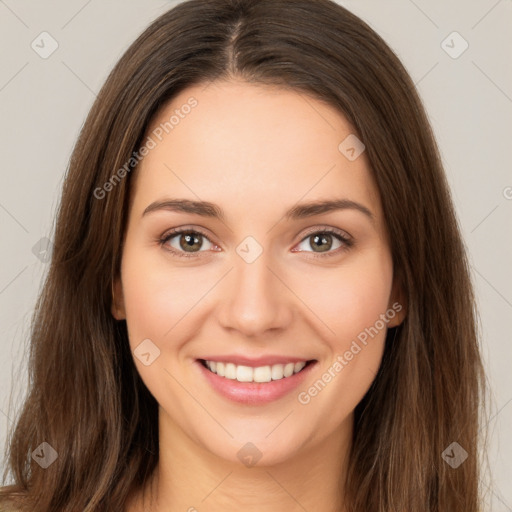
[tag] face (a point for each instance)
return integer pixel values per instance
(230, 258)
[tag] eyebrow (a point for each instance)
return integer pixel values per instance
(299, 211)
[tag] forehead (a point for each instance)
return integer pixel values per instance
(251, 145)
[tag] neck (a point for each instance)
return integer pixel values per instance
(190, 478)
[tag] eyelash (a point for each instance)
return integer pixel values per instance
(347, 242)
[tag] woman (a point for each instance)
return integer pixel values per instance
(258, 288)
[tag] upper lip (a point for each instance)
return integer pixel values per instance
(257, 361)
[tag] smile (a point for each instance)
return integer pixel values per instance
(259, 374)
(254, 385)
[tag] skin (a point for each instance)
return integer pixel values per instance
(255, 151)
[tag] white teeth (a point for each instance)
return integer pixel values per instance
(288, 369)
(258, 374)
(230, 371)
(277, 372)
(244, 374)
(262, 374)
(298, 367)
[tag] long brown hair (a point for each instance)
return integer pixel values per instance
(85, 396)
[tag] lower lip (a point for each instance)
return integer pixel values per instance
(255, 393)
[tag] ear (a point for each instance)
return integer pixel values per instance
(117, 306)
(397, 303)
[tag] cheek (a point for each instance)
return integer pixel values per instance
(353, 301)
(346, 299)
(350, 298)
(159, 302)
(156, 295)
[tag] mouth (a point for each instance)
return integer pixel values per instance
(259, 374)
(254, 385)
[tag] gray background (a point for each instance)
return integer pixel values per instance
(44, 102)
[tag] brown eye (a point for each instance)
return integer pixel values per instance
(328, 241)
(185, 242)
(322, 241)
(190, 242)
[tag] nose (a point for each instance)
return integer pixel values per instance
(256, 299)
